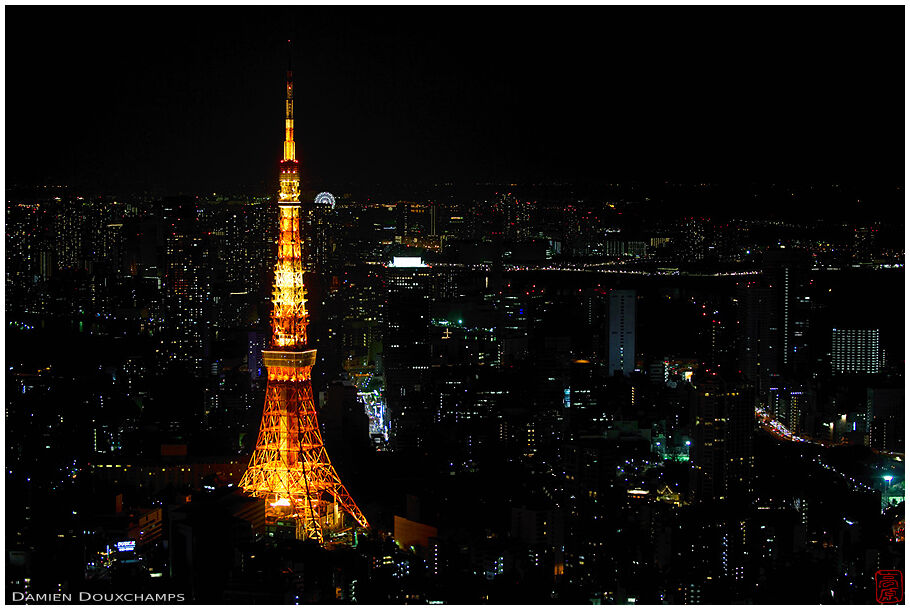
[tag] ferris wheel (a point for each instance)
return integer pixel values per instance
(326, 199)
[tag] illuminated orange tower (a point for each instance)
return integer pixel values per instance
(290, 467)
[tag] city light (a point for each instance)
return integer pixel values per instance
(549, 359)
(407, 261)
(126, 545)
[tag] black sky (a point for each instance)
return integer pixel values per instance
(190, 99)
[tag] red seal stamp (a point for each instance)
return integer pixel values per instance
(889, 586)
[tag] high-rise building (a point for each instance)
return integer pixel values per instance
(434, 218)
(773, 330)
(721, 457)
(692, 239)
(516, 217)
(406, 343)
(187, 286)
(324, 205)
(788, 271)
(621, 334)
(793, 407)
(413, 219)
(69, 229)
(29, 262)
(855, 351)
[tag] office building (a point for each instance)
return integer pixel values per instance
(621, 333)
(855, 351)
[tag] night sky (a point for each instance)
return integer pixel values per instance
(172, 99)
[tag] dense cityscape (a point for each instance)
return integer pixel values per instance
(534, 391)
(495, 377)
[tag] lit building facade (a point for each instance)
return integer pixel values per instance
(187, 287)
(406, 344)
(722, 457)
(855, 351)
(621, 334)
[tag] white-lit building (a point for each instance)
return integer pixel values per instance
(855, 351)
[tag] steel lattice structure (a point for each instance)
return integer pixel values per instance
(290, 467)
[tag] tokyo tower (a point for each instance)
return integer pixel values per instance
(290, 468)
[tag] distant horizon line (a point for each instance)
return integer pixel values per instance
(587, 183)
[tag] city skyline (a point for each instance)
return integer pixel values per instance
(482, 369)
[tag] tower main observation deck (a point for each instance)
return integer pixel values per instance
(290, 468)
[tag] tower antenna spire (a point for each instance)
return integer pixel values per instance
(290, 55)
(289, 168)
